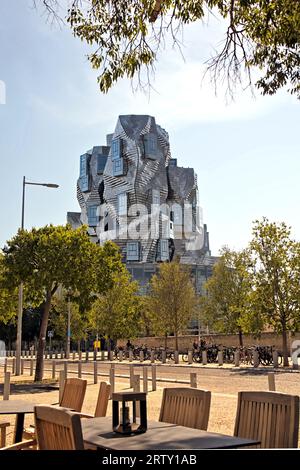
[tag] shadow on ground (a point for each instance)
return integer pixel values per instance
(24, 388)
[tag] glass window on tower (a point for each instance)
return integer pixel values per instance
(133, 251)
(122, 204)
(83, 165)
(116, 149)
(92, 216)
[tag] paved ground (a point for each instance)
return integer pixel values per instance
(223, 382)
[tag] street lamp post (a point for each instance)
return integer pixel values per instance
(69, 327)
(20, 300)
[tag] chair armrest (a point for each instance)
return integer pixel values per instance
(84, 415)
(20, 445)
(4, 425)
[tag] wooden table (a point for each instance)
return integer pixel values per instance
(19, 408)
(97, 432)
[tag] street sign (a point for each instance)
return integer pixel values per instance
(50, 334)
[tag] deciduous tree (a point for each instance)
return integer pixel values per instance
(227, 305)
(49, 257)
(117, 311)
(277, 277)
(172, 299)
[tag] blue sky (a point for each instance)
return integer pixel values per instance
(246, 153)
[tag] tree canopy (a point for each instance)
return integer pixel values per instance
(228, 304)
(128, 36)
(44, 259)
(172, 301)
(117, 311)
(277, 277)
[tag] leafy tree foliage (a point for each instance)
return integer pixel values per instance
(172, 299)
(117, 311)
(49, 257)
(277, 277)
(79, 322)
(8, 295)
(128, 35)
(228, 304)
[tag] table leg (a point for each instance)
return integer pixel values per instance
(19, 427)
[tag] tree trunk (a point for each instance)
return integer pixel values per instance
(39, 370)
(78, 346)
(285, 347)
(176, 341)
(240, 337)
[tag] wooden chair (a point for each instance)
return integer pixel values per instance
(3, 427)
(73, 394)
(102, 402)
(57, 428)
(72, 397)
(186, 406)
(29, 444)
(270, 417)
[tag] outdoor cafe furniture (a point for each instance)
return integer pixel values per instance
(72, 398)
(186, 406)
(18, 408)
(57, 428)
(61, 429)
(270, 417)
(102, 402)
(98, 433)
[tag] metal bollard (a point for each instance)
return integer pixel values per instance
(50, 355)
(145, 379)
(204, 358)
(176, 357)
(164, 357)
(190, 357)
(95, 355)
(80, 356)
(6, 387)
(79, 369)
(86, 355)
(275, 359)
(112, 379)
(74, 355)
(31, 366)
(193, 379)
(66, 369)
(271, 381)
(255, 359)
(53, 370)
(153, 375)
(111, 355)
(141, 356)
(152, 358)
(13, 367)
(56, 355)
(131, 374)
(220, 358)
(5, 366)
(130, 355)
(236, 358)
(95, 372)
(136, 383)
(22, 366)
(121, 355)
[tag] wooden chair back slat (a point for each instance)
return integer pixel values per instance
(57, 429)
(102, 401)
(73, 394)
(270, 417)
(186, 407)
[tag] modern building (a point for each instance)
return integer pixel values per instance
(133, 192)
